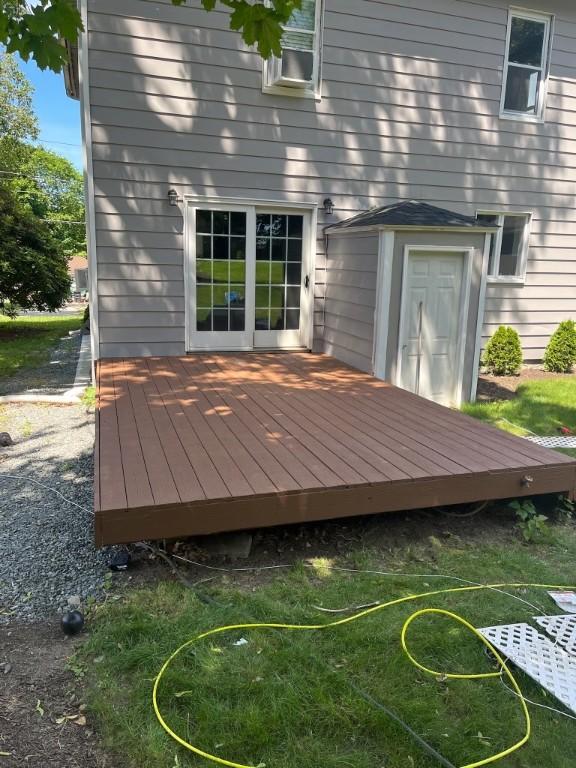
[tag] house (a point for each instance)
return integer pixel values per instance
(78, 271)
(388, 192)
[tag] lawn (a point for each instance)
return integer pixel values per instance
(311, 698)
(26, 342)
(540, 406)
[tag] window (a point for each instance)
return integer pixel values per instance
(297, 71)
(509, 246)
(525, 66)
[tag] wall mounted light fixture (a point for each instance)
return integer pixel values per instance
(328, 206)
(172, 197)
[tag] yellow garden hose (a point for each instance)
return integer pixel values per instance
(318, 627)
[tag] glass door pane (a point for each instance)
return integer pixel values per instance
(220, 279)
(279, 279)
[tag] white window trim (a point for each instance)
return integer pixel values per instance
(520, 278)
(547, 19)
(314, 91)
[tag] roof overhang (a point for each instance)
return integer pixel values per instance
(334, 229)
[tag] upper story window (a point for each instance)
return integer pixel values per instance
(509, 246)
(297, 71)
(526, 65)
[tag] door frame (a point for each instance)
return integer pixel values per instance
(310, 213)
(462, 314)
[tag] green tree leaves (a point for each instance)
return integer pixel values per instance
(36, 32)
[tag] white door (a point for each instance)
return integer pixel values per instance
(432, 324)
(249, 279)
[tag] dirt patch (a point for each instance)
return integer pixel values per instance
(504, 387)
(37, 690)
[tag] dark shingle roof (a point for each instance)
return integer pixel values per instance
(410, 213)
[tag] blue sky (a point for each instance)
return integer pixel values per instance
(58, 116)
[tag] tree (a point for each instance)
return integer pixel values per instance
(18, 122)
(53, 190)
(33, 270)
(36, 30)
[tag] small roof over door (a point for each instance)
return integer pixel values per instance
(412, 214)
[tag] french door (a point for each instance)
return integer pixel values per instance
(248, 280)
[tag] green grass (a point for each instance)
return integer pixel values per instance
(89, 397)
(540, 406)
(26, 342)
(286, 698)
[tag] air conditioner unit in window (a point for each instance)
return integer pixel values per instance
(294, 69)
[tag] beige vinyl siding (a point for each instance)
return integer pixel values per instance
(409, 110)
(351, 269)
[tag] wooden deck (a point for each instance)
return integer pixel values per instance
(221, 442)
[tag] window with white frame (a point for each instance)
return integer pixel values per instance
(509, 245)
(526, 65)
(297, 71)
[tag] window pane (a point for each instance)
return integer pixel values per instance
(203, 296)
(263, 272)
(526, 41)
(295, 226)
(295, 250)
(262, 296)
(203, 319)
(278, 226)
(490, 220)
(262, 248)
(263, 224)
(221, 221)
(294, 273)
(204, 221)
(262, 319)
(236, 296)
(203, 246)
(220, 319)
(237, 271)
(220, 245)
(203, 271)
(292, 319)
(293, 296)
(303, 17)
(220, 273)
(277, 273)
(512, 236)
(278, 250)
(237, 319)
(522, 88)
(237, 248)
(238, 223)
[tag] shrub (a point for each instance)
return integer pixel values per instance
(503, 353)
(560, 353)
(86, 316)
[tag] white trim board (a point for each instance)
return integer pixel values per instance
(86, 125)
(383, 297)
(480, 317)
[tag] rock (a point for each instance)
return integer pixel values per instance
(74, 602)
(5, 440)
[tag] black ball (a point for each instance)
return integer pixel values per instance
(72, 622)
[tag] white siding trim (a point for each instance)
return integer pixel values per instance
(480, 318)
(86, 124)
(383, 295)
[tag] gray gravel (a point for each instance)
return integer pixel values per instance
(46, 549)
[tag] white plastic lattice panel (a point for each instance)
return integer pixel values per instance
(561, 628)
(556, 441)
(545, 662)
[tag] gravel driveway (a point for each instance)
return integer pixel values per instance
(46, 549)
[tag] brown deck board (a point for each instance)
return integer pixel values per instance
(215, 442)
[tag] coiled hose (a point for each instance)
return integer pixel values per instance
(504, 669)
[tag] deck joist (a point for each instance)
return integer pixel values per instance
(221, 442)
